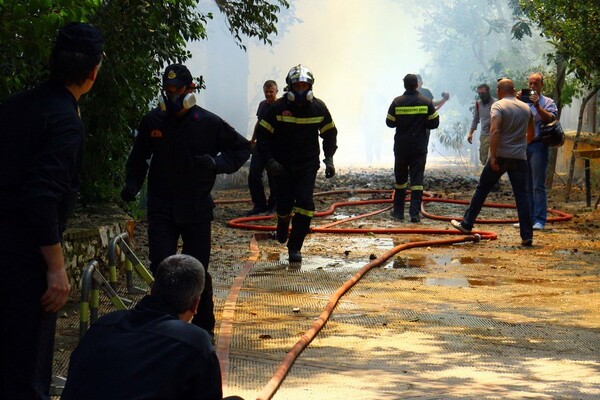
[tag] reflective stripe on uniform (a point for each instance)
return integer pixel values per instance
(391, 118)
(400, 185)
(266, 125)
(417, 187)
(411, 110)
(434, 115)
(302, 211)
(300, 120)
(327, 127)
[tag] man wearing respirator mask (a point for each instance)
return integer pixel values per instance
(289, 141)
(188, 146)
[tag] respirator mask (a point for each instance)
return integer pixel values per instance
(300, 97)
(485, 97)
(175, 102)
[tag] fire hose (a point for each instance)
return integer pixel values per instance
(275, 382)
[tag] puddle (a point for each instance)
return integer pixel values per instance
(409, 262)
(338, 217)
(316, 262)
(309, 263)
(380, 243)
(438, 260)
(451, 282)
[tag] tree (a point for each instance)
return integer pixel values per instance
(141, 38)
(570, 26)
(27, 32)
(471, 42)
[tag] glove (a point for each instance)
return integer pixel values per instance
(274, 168)
(445, 96)
(206, 163)
(329, 167)
(127, 195)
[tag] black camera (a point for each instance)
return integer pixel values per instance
(525, 93)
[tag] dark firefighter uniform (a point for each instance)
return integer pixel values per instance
(255, 174)
(412, 114)
(290, 135)
(41, 142)
(179, 184)
(144, 353)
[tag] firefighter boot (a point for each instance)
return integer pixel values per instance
(416, 196)
(283, 226)
(398, 211)
(300, 228)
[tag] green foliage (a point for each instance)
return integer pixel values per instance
(572, 26)
(252, 18)
(27, 33)
(470, 42)
(141, 38)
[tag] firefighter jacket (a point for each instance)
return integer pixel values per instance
(412, 114)
(180, 179)
(289, 133)
(40, 162)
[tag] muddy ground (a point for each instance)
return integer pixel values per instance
(560, 274)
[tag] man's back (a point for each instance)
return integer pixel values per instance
(515, 116)
(412, 114)
(145, 353)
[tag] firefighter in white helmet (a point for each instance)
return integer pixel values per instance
(289, 140)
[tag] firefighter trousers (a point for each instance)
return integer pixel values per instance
(163, 236)
(295, 194)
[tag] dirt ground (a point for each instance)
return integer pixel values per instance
(551, 289)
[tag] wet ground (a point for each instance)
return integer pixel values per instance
(469, 320)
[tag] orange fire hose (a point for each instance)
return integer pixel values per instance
(245, 223)
(271, 387)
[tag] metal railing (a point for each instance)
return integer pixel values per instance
(92, 282)
(122, 243)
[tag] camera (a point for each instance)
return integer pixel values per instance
(525, 93)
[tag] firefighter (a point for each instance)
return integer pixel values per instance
(42, 138)
(412, 114)
(189, 146)
(289, 141)
(258, 165)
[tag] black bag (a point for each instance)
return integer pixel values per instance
(552, 134)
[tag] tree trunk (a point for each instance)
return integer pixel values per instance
(561, 70)
(576, 142)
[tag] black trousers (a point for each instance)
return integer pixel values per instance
(26, 330)
(412, 165)
(163, 236)
(255, 183)
(295, 193)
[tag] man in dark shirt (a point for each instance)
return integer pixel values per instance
(258, 163)
(151, 351)
(427, 93)
(189, 146)
(412, 114)
(41, 136)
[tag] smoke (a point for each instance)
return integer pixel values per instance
(359, 51)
